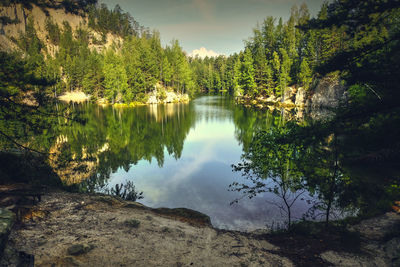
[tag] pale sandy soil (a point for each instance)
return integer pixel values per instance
(101, 225)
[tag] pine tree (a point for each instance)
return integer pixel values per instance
(247, 81)
(115, 78)
(305, 75)
(237, 89)
(284, 78)
(276, 64)
(270, 82)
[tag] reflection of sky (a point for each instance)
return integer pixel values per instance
(200, 178)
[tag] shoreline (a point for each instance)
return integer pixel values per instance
(71, 229)
(153, 99)
(271, 102)
(85, 230)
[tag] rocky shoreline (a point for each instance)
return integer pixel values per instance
(154, 98)
(70, 229)
(327, 93)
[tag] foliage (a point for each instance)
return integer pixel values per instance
(19, 84)
(276, 56)
(126, 191)
(270, 165)
(125, 72)
(115, 21)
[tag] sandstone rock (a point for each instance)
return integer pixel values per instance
(328, 93)
(152, 99)
(300, 97)
(160, 241)
(271, 99)
(170, 97)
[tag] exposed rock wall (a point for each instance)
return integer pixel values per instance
(21, 15)
(300, 97)
(167, 97)
(329, 93)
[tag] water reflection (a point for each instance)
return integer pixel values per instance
(178, 155)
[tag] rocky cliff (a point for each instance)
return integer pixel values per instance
(14, 19)
(319, 101)
(329, 93)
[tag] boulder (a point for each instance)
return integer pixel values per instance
(170, 97)
(329, 93)
(152, 99)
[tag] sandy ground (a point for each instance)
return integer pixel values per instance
(75, 96)
(68, 229)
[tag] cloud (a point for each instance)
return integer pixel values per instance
(203, 52)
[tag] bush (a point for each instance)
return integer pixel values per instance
(132, 223)
(126, 191)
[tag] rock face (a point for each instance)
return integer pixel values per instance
(300, 97)
(7, 219)
(318, 101)
(167, 97)
(328, 93)
(21, 16)
(77, 97)
(152, 98)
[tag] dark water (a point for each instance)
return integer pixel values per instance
(179, 155)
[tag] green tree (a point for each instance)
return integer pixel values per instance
(276, 64)
(305, 75)
(115, 78)
(246, 80)
(270, 165)
(284, 78)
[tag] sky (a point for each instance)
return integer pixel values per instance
(216, 25)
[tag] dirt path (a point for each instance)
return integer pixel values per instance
(68, 229)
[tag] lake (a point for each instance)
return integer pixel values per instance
(178, 155)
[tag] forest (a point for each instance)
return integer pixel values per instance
(212, 150)
(333, 156)
(357, 41)
(278, 55)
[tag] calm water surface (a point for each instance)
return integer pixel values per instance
(181, 155)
